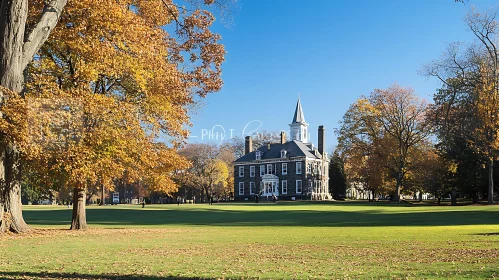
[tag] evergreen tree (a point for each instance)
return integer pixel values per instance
(337, 181)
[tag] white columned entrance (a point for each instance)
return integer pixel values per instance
(270, 185)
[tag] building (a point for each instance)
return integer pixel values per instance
(291, 170)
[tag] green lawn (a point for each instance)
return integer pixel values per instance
(283, 241)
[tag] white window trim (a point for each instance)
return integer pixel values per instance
(283, 153)
(284, 171)
(241, 188)
(269, 165)
(299, 163)
(258, 155)
(252, 171)
(297, 186)
(241, 171)
(262, 170)
(252, 189)
(284, 182)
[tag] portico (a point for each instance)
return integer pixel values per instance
(270, 185)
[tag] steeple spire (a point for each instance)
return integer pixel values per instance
(298, 128)
(299, 117)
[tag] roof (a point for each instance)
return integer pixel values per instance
(299, 117)
(293, 149)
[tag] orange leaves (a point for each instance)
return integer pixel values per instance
(110, 83)
(378, 134)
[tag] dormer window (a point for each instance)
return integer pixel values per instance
(258, 155)
(283, 153)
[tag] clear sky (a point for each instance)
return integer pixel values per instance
(328, 51)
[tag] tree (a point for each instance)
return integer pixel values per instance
(337, 180)
(207, 170)
(124, 84)
(471, 82)
(402, 116)
(379, 132)
(19, 42)
(236, 144)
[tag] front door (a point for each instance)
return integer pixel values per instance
(270, 187)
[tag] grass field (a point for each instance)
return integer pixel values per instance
(284, 241)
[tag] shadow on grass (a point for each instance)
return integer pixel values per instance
(488, 234)
(268, 216)
(56, 275)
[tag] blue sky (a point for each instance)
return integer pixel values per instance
(328, 51)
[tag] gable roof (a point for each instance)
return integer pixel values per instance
(293, 149)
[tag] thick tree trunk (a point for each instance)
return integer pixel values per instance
(17, 49)
(12, 24)
(79, 219)
(491, 181)
(420, 196)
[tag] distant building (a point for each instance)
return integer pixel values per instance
(290, 170)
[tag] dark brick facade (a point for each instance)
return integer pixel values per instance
(291, 178)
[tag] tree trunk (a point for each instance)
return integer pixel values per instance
(103, 195)
(207, 193)
(12, 217)
(79, 219)
(491, 181)
(396, 197)
(13, 16)
(17, 49)
(453, 196)
(421, 196)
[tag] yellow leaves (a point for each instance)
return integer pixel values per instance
(109, 82)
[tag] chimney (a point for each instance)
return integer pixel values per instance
(283, 137)
(322, 139)
(248, 145)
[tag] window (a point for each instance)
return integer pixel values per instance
(298, 168)
(269, 168)
(262, 170)
(284, 187)
(241, 171)
(283, 153)
(252, 171)
(284, 168)
(309, 168)
(258, 155)
(298, 186)
(241, 188)
(252, 187)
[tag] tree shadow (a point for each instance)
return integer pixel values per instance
(278, 216)
(62, 275)
(488, 234)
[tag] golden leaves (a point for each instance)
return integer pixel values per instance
(109, 84)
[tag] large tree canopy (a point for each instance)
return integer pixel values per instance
(109, 92)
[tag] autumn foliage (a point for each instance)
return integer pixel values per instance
(110, 91)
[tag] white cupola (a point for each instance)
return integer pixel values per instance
(298, 128)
